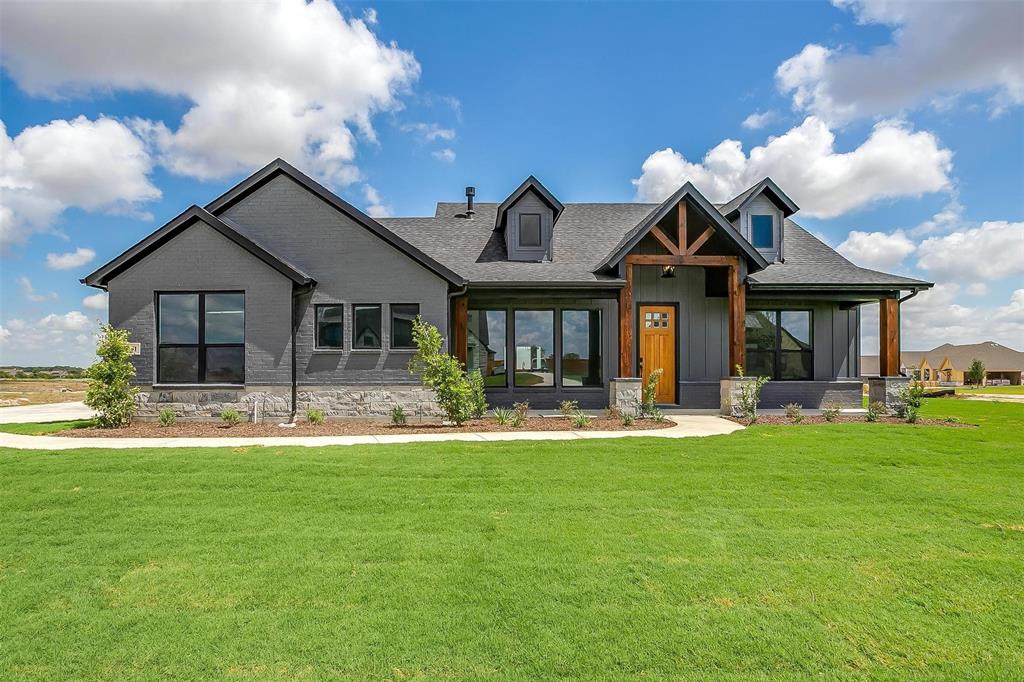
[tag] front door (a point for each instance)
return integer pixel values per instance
(658, 348)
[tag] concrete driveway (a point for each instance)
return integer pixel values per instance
(50, 412)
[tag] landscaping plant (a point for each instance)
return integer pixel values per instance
(648, 407)
(167, 417)
(110, 392)
(398, 417)
(503, 416)
(876, 409)
(830, 411)
(628, 419)
(750, 395)
(908, 400)
(793, 412)
(478, 397)
(315, 416)
(522, 408)
(613, 412)
(230, 416)
(443, 373)
(569, 408)
(580, 420)
(976, 372)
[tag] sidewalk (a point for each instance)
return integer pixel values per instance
(686, 426)
(49, 412)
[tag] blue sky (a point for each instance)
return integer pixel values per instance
(870, 130)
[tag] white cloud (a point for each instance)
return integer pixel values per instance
(893, 162)
(94, 165)
(936, 53)
(29, 292)
(989, 252)
(285, 78)
(97, 301)
(877, 250)
(447, 155)
(758, 120)
(375, 204)
(977, 289)
(70, 260)
(73, 321)
(943, 221)
(54, 339)
(430, 132)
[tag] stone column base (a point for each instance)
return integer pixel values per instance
(886, 389)
(626, 394)
(730, 394)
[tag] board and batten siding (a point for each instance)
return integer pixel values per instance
(529, 203)
(762, 205)
(351, 266)
(202, 259)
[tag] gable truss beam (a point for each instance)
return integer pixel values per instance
(684, 259)
(664, 240)
(700, 241)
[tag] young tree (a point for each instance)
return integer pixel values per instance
(459, 396)
(110, 392)
(976, 372)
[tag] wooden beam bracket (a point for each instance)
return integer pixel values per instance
(700, 241)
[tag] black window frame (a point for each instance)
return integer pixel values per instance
(555, 349)
(771, 217)
(201, 344)
(391, 325)
(380, 319)
(777, 351)
(540, 231)
(316, 327)
(560, 352)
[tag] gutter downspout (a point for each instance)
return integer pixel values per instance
(296, 293)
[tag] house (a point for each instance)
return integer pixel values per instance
(278, 295)
(948, 364)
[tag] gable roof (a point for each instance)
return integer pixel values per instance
(190, 217)
(732, 207)
(529, 184)
(633, 237)
(997, 357)
(280, 167)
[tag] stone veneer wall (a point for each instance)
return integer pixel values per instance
(273, 403)
(625, 394)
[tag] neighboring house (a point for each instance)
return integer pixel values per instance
(279, 295)
(948, 364)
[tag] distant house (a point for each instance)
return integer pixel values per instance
(948, 364)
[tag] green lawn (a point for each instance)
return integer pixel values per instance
(1003, 390)
(841, 551)
(43, 428)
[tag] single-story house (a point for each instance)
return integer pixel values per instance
(947, 365)
(279, 294)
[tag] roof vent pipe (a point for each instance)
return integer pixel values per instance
(470, 193)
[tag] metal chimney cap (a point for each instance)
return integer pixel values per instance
(471, 191)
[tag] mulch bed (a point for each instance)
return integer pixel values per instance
(778, 419)
(350, 427)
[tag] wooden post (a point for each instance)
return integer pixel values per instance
(737, 320)
(626, 325)
(461, 323)
(889, 337)
(681, 225)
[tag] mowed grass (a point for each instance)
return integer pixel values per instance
(843, 551)
(43, 428)
(994, 390)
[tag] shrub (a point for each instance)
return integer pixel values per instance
(909, 399)
(613, 412)
(167, 417)
(569, 408)
(441, 372)
(315, 416)
(627, 420)
(478, 399)
(830, 411)
(230, 416)
(647, 406)
(910, 415)
(750, 394)
(976, 372)
(522, 409)
(876, 409)
(580, 420)
(508, 417)
(793, 412)
(398, 417)
(110, 392)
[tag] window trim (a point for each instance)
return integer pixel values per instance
(391, 326)
(380, 315)
(505, 343)
(316, 327)
(777, 350)
(555, 349)
(561, 350)
(771, 216)
(540, 232)
(200, 344)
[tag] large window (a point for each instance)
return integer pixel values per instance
(486, 346)
(366, 327)
(402, 315)
(779, 344)
(201, 338)
(535, 348)
(581, 348)
(529, 229)
(762, 231)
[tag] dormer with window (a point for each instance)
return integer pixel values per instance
(759, 214)
(528, 217)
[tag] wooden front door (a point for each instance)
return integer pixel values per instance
(658, 348)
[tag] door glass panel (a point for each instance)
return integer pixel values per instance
(535, 344)
(581, 348)
(486, 346)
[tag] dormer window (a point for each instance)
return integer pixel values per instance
(529, 230)
(762, 231)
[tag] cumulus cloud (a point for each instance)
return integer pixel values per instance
(934, 56)
(67, 338)
(375, 204)
(97, 301)
(877, 250)
(758, 120)
(70, 260)
(29, 292)
(447, 155)
(989, 252)
(430, 132)
(894, 161)
(285, 78)
(95, 165)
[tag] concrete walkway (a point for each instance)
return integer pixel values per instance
(50, 412)
(685, 427)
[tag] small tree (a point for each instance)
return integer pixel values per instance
(442, 372)
(110, 392)
(750, 395)
(976, 372)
